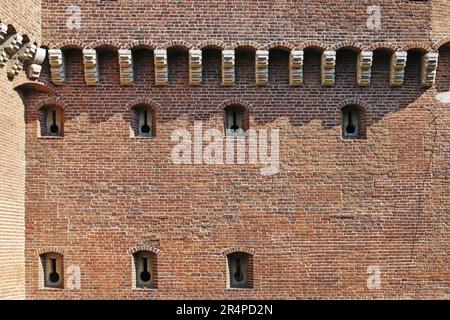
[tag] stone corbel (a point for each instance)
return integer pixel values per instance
(296, 67)
(364, 68)
(3, 31)
(126, 67)
(398, 64)
(57, 66)
(12, 44)
(429, 67)
(195, 67)
(228, 61)
(91, 73)
(35, 67)
(14, 66)
(161, 68)
(9, 48)
(16, 62)
(262, 67)
(328, 65)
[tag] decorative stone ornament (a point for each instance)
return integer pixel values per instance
(262, 67)
(15, 65)
(296, 67)
(12, 44)
(161, 69)
(195, 67)
(328, 68)
(126, 67)
(228, 62)
(398, 64)
(35, 67)
(364, 68)
(429, 67)
(91, 74)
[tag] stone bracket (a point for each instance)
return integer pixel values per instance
(195, 67)
(90, 61)
(161, 67)
(126, 67)
(35, 67)
(328, 65)
(296, 67)
(3, 31)
(364, 68)
(228, 63)
(57, 66)
(397, 69)
(262, 67)
(429, 67)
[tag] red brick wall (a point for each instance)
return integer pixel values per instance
(336, 208)
(230, 21)
(439, 20)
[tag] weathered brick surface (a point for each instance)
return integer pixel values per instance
(336, 207)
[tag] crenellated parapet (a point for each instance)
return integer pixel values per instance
(329, 60)
(15, 53)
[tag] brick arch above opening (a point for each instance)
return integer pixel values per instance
(236, 102)
(39, 85)
(245, 44)
(441, 42)
(383, 45)
(141, 44)
(283, 45)
(54, 101)
(70, 44)
(314, 44)
(144, 248)
(348, 44)
(424, 48)
(144, 101)
(243, 249)
(55, 249)
(104, 44)
(179, 44)
(354, 102)
(216, 44)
